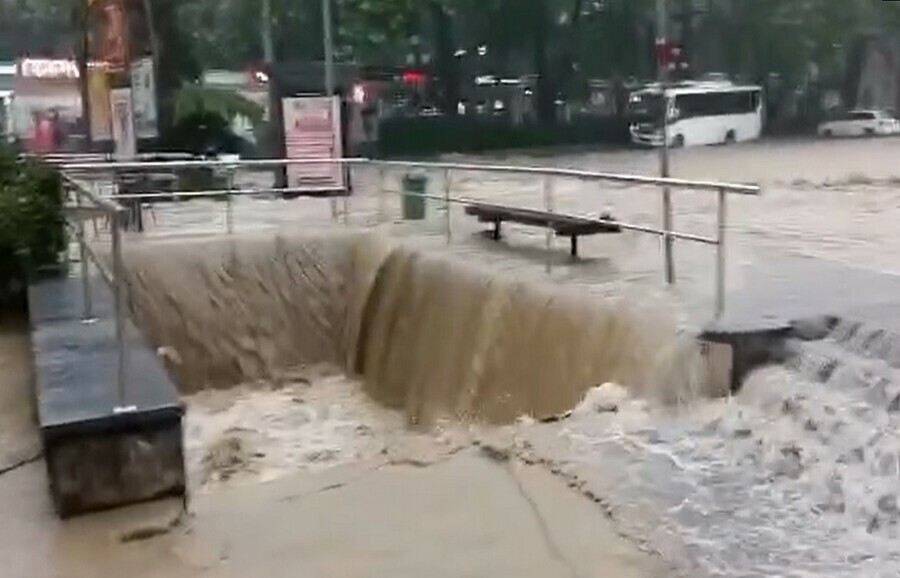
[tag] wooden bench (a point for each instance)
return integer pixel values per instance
(562, 225)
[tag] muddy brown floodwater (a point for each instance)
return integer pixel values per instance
(416, 505)
(792, 477)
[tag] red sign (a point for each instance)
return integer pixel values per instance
(668, 53)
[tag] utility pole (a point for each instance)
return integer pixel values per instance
(662, 58)
(328, 43)
(275, 118)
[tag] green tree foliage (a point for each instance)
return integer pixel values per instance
(371, 30)
(192, 99)
(35, 27)
(31, 225)
(565, 41)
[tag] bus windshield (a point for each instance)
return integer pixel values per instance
(646, 106)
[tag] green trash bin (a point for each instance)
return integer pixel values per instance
(414, 187)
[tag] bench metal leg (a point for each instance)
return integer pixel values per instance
(495, 234)
(574, 246)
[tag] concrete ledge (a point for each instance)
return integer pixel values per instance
(99, 456)
(104, 470)
(798, 297)
(751, 346)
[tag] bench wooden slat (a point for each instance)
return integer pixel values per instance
(562, 225)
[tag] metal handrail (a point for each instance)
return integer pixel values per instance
(115, 278)
(105, 203)
(579, 174)
(116, 211)
(736, 188)
(212, 163)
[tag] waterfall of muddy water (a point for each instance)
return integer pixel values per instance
(428, 334)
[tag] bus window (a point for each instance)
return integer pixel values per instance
(716, 103)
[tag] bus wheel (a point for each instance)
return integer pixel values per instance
(678, 141)
(730, 137)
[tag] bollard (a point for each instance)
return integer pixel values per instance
(551, 234)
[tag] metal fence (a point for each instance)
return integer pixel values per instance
(88, 205)
(110, 208)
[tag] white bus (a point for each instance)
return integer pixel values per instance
(698, 114)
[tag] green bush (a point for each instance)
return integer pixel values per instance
(31, 222)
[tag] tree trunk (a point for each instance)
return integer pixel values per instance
(545, 86)
(82, 55)
(571, 44)
(445, 61)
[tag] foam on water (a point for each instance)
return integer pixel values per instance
(795, 476)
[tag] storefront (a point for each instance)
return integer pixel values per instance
(45, 108)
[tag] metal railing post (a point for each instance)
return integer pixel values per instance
(551, 234)
(720, 252)
(94, 187)
(448, 183)
(382, 195)
(88, 313)
(668, 241)
(229, 206)
(119, 304)
(345, 202)
(334, 208)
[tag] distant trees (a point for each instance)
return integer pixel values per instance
(564, 42)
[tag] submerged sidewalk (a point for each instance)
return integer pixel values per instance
(465, 516)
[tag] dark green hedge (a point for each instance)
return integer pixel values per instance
(31, 222)
(433, 135)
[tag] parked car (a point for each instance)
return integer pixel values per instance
(861, 123)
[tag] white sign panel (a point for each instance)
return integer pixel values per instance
(143, 94)
(312, 130)
(122, 118)
(47, 68)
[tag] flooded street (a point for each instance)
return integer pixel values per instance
(833, 199)
(794, 476)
